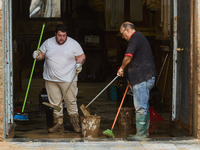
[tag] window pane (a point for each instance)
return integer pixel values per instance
(45, 9)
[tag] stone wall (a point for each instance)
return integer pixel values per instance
(1, 75)
(196, 40)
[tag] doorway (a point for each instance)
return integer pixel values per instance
(41, 119)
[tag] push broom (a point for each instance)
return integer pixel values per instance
(109, 132)
(24, 116)
(84, 108)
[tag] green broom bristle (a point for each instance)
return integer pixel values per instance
(108, 133)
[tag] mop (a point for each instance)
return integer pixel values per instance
(108, 133)
(24, 116)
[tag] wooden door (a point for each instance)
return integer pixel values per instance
(181, 91)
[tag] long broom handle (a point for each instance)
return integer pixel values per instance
(120, 107)
(32, 69)
(69, 85)
(162, 69)
(102, 91)
(165, 79)
(67, 89)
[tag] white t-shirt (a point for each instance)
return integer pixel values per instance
(59, 64)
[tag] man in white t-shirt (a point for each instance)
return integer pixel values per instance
(63, 57)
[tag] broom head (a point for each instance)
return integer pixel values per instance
(21, 117)
(85, 110)
(52, 106)
(108, 133)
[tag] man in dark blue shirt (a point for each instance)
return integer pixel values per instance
(141, 75)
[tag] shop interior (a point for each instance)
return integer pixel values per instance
(95, 25)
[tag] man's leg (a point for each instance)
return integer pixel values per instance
(141, 98)
(54, 96)
(71, 103)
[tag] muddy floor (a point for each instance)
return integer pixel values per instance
(41, 119)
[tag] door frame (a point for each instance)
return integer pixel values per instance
(7, 69)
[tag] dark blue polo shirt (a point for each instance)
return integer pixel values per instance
(142, 67)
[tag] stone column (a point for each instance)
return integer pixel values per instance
(196, 112)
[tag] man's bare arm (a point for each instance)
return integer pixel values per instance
(125, 62)
(80, 58)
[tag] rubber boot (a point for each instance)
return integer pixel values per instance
(58, 125)
(74, 118)
(142, 127)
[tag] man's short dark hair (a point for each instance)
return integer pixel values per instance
(128, 25)
(61, 27)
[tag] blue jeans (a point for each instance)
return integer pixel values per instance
(141, 96)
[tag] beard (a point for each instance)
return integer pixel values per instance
(61, 41)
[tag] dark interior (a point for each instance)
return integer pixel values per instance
(89, 23)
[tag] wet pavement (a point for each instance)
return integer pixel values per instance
(105, 144)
